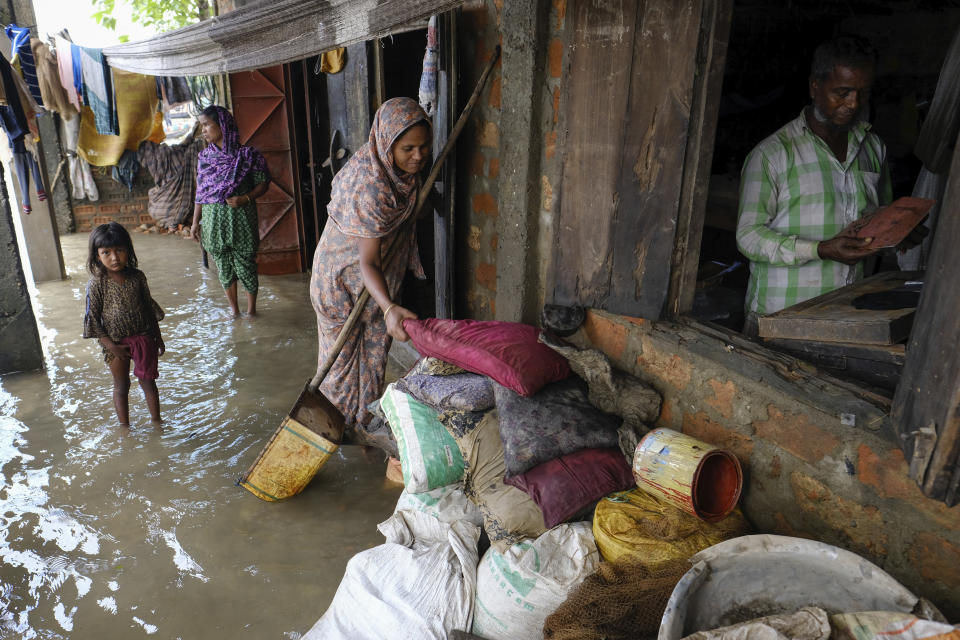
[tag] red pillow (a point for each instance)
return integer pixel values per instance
(564, 487)
(508, 352)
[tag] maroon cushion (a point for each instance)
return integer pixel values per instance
(564, 487)
(508, 352)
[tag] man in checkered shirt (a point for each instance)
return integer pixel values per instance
(801, 186)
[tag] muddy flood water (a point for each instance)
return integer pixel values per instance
(125, 533)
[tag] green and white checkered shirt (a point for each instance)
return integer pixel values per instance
(795, 193)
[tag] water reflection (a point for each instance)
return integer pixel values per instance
(122, 533)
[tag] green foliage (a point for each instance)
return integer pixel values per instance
(160, 15)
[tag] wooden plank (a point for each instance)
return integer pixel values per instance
(929, 391)
(711, 60)
(878, 365)
(654, 155)
(597, 91)
(443, 230)
(832, 318)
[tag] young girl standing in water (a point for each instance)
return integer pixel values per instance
(123, 317)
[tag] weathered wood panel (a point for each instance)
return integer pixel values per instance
(633, 74)
(711, 60)
(598, 84)
(658, 121)
(926, 407)
(348, 100)
(832, 317)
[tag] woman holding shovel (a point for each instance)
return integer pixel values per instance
(369, 241)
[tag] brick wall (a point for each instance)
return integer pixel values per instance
(116, 202)
(480, 155)
(819, 473)
(480, 164)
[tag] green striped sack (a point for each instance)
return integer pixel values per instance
(428, 453)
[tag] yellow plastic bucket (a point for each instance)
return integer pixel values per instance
(690, 474)
(297, 450)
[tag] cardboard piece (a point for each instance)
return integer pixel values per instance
(889, 225)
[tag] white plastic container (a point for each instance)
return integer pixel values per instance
(754, 576)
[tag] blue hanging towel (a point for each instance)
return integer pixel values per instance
(20, 47)
(77, 71)
(98, 90)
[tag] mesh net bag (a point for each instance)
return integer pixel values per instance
(622, 600)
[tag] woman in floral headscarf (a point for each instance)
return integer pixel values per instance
(370, 214)
(230, 178)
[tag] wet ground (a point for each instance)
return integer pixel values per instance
(108, 532)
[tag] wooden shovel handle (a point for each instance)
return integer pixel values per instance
(421, 200)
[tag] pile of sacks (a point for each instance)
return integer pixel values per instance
(518, 490)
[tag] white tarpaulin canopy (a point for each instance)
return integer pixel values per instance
(270, 32)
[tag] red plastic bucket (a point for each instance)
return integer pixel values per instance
(695, 476)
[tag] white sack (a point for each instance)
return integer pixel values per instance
(419, 585)
(518, 589)
(446, 504)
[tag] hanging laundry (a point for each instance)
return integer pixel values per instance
(428, 79)
(174, 170)
(136, 107)
(12, 116)
(81, 178)
(174, 90)
(125, 171)
(48, 75)
(76, 59)
(204, 91)
(20, 49)
(98, 91)
(25, 165)
(65, 69)
(333, 61)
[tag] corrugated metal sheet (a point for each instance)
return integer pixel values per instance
(269, 33)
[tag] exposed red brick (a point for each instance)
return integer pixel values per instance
(146, 218)
(560, 6)
(862, 525)
(669, 367)
(136, 206)
(550, 143)
(666, 414)
(484, 203)
(494, 98)
(795, 433)
(494, 168)
(888, 475)
(488, 134)
(84, 209)
(935, 558)
(487, 275)
(555, 57)
(476, 164)
(700, 426)
(556, 105)
(723, 395)
(609, 337)
(108, 208)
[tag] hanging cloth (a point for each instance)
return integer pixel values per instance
(333, 61)
(81, 178)
(12, 118)
(98, 93)
(174, 90)
(125, 171)
(20, 49)
(48, 75)
(428, 79)
(76, 59)
(204, 92)
(65, 70)
(136, 108)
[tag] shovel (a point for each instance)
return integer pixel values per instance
(313, 430)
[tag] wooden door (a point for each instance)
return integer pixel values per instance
(633, 103)
(260, 109)
(926, 407)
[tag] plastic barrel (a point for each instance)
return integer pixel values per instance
(695, 476)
